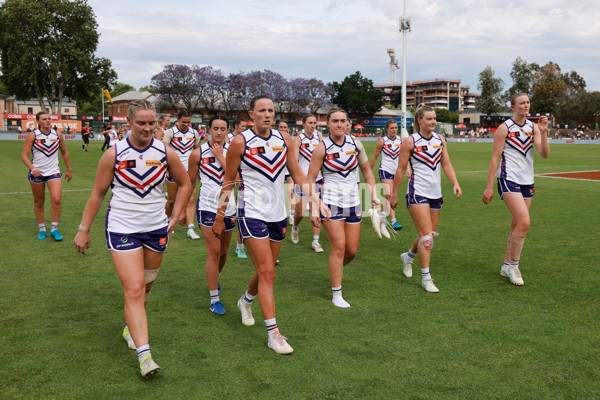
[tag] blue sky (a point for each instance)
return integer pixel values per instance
(329, 40)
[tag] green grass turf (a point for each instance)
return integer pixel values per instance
(480, 337)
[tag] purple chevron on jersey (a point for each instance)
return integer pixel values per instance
(46, 146)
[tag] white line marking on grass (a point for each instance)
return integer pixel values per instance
(569, 179)
(68, 190)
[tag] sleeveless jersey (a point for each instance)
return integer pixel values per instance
(230, 137)
(340, 173)
(113, 137)
(517, 156)
(45, 152)
(261, 194)
(211, 174)
(389, 154)
(307, 146)
(137, 203)
(183, 143)
(425, 162)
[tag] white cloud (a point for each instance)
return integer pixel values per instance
(331, 39)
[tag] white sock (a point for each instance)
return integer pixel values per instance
(248, 298)
(271, 326)
(142, 351)
(53, 226)
(239, 246)
(514, 264)
(190, 226)
(394, 221)
(337, 298)
(42, 227)
(410, 254)
(292, 213)
(426, 274)
(316, 238)
(295, 227)
(214, 296)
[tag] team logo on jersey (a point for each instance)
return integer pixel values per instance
(162, 241)
(123, 239)
(141, 157)
(351, 152)
(284, 230)
(153, 163)
(513, 134)
(419, 149)
(437, 146)
(333, 156)
(387, 146)
(208, 160)
(126, 164)
(278, 148)
(304, 145)
(177, 139)
(257, 150)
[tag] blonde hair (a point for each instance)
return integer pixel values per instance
(390, 122)
(419, 114)
(137, 105)
(514, 97)
(334, 110)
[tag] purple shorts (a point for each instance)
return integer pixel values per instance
(42, 179)
(385, 176)
(207, 218)
(434, 204)
(505, 186)
(156, 240)
(257, 229)
(351, 215)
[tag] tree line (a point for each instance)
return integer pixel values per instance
(562, 94)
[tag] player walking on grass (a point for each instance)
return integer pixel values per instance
(137, 227)
(260, 155)
(183, 140)
(513, 149)
(426, 151)
(304, 146)
(389, 148)
(44, 143)
(338, 157)
(208, 164)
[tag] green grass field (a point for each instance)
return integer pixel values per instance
(481, 337)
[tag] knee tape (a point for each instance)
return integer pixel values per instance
(149, 277)
(426, 242)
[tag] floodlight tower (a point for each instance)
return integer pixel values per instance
(393, 65)
(404, 28)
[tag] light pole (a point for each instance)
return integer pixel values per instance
(404, 28)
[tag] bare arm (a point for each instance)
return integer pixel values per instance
(193, 166)
(499, 140)
(540, 137)
(449, 170)
(104, 177)
(65, 156)
(405, 153)
(25, 155)
(376, 153)
(316, 162)
(296, 147)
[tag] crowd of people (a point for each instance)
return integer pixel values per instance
(325, 173)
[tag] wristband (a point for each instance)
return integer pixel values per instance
(83, 228)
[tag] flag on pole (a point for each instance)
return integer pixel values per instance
(107, 94)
